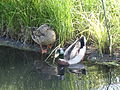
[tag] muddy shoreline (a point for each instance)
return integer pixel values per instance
(91, 54)
(18, 45)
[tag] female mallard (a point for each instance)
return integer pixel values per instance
(44, 35)
(74, 53)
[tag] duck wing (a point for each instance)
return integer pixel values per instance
(38, 37)
(78, 57)
(81, 49)
(72, 50)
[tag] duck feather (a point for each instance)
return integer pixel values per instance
(72, 50)
(44, 35)
(76, 51)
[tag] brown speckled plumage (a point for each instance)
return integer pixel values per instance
(44, 35)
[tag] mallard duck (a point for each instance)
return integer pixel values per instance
(74, 53)
(44, 35)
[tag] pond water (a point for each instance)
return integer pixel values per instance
(17, 72)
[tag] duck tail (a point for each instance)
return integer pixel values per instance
(82, 41)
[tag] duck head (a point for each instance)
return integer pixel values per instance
(60, 54)
(42, 29)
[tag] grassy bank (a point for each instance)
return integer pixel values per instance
(98, 20)
(16, 15)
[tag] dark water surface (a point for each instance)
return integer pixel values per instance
(18, 73)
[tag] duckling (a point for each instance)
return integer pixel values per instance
(44, 35)
(74, 53)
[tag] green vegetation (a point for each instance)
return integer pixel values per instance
(98, 20)
(16, 15)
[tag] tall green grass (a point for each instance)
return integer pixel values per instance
(101, 23)
(113, 11)
(58, 14)
(65, 16)
(98, 33)
(17, 14)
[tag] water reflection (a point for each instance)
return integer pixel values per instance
(17, 72)
(78, 69)
(111, 85)
(75, 68)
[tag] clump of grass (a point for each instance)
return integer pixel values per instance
(113, 11)
(100, 24)
(98, 32)
(91, 24)
(58, 14)
(16, 15)
(22, 13)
